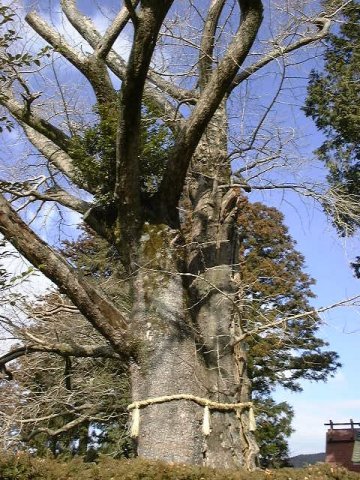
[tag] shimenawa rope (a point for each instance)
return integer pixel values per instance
(206, 403)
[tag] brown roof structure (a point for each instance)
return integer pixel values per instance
(343, 445)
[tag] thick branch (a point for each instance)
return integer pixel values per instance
(210, 99)
(110, 36)
(24, 116)
(208, 40)
(51, 151)
(127, 188)
(74, 409)
(59, 159)
(56, 40)
(58, 195)
(279, 51)
(66, 428)
(62, 349)
(101, 313)
(132, 12)
(87, 30)
(92, 67)
(54, 194)
(117, 65)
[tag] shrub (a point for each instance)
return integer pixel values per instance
(23, 466)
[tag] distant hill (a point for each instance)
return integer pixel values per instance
(303, 460)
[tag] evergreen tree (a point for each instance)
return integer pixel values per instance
(285, 350)
(333, 102)
(274, 428)
(276, 294)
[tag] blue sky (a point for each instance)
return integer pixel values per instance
(327, 258)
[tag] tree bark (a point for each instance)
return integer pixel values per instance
(167, 360)
(213, 258)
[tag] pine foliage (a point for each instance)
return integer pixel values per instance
(333, 102)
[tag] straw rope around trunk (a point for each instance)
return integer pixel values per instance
(204, 402)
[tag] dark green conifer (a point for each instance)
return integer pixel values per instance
(333, 102)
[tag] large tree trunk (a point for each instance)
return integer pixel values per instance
(186, 313)
(167, 361)
(215, 292)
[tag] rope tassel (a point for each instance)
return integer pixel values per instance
(206, 422)
(252, 421)
(135, 424)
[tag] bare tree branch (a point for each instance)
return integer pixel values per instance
(61, 196)
(66, 428)
(92, 67)
(53, 194)
(62, 349)
(51, 151)
(73, 409)
(283, 321)
(24, 116)
(110, 36)
(117, 65)
(101, 313)
(323, 24)
(208, 40)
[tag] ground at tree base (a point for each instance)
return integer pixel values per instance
(25, 467)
